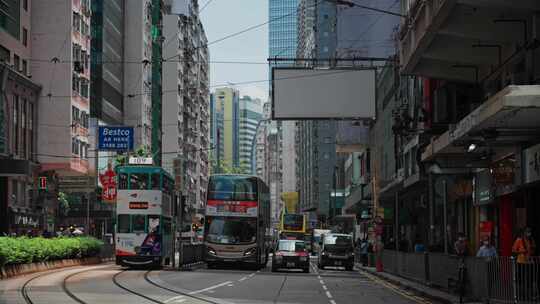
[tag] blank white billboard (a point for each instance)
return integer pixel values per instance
(300, 93)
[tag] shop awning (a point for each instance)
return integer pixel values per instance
(504, 121)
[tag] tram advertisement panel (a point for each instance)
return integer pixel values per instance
(139, 202)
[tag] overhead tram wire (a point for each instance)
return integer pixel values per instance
(253, 27)
(263, 80)
(109, 156)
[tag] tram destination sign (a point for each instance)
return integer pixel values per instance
(115, 138)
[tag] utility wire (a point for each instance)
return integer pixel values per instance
(111, 156)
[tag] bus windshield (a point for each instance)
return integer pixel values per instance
(230, 187)
(231, 230)
(293, 222)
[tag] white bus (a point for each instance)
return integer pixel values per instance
(237, 220)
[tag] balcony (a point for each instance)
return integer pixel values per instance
(464, 40)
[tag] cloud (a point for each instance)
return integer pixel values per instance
(254, 91)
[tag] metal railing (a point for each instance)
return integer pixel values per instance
(494, 280)
(191, 253)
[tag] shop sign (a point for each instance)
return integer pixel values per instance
(483, 190)
(532, 164)
(503, 172)
(22, 220)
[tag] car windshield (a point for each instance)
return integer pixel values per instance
(231, 230)
(292, 246)
(338, 240)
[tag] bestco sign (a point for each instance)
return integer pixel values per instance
(115, 138)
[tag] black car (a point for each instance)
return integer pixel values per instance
(290, 254)
(336, 250)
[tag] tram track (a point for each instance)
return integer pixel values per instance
(147, 279)
(116, 279)
(25, 289)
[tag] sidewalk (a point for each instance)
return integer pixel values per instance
(421, 289)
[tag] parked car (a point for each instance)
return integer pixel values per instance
(290, 254)
(336, 249)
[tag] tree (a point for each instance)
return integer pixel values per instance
(63, 203)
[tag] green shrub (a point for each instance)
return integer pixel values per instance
(24, 250)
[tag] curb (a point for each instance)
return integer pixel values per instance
(421, 292)
(191, 266)
(24, 269)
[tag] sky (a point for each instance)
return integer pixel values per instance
(224, 17)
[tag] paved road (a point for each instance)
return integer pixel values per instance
(112, 284)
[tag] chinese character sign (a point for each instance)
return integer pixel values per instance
(108, 180)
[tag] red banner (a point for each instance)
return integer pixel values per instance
(108, 180)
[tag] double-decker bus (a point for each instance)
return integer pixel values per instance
(292, 226)
(237, 220)
(144, 216)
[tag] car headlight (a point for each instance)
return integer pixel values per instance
(324, 253)
(211, 251)
(250, 251)
(303, 258)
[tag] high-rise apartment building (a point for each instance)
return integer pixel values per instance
(138, 80)
(251, 114)
(61, 63)
(282, 44)
(226, 111)
(186, 104)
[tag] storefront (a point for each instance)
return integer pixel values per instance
(529, 210)
(23, 223)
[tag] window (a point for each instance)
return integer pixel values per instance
(76, 22)
(31, 130)
(85, 87)
(154, 182)
(5, 54)
(25, 5)
(25, 67)
(23, 126)
(123, 223)
(138, 181)
(25, 37)
(16, 123)
(16, 62)
(122, 181)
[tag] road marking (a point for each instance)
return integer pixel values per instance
(321, 281)
(332, 302)
(243, 279)
(324, 287)
(210, 288)
(396, 289)
(328, 294)
(251, 275)
(230, 285)
(175, 299)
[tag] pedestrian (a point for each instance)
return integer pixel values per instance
(460, 246)
(487, 250)
(524, 248)
(364, 251)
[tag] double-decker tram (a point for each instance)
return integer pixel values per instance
(144, 216)
(237, 220)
